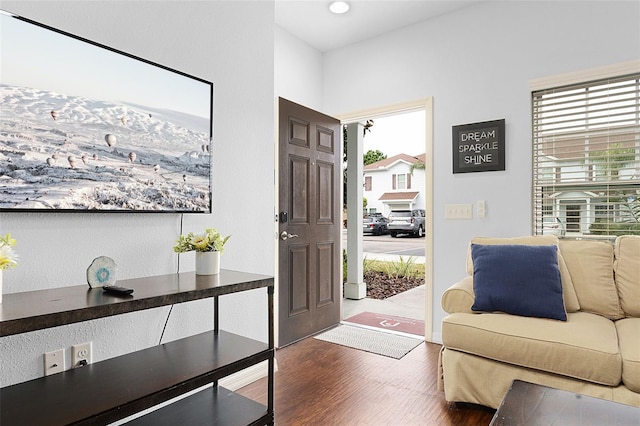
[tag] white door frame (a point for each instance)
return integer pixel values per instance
(425, 104)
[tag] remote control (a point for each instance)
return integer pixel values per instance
(117, 291)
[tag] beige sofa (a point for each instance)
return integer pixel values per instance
(596, 351)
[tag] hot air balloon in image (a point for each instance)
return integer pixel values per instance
(110, 139)
(54, 156)
(132, 156)
(72, 161)
(54, 115)
(51, 161)
(84, 158)
(156, 168)
(123, 120)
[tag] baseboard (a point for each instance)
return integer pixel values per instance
(436, 338)
(247, 376)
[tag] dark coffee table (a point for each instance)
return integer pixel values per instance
(530, 404)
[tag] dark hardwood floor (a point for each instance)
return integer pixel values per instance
(321, 383)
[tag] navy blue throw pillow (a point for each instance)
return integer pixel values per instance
(518, 279)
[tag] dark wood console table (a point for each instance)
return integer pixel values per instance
(116, 388)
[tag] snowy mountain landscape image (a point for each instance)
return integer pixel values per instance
(130, 136)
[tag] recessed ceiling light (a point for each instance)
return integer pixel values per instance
(339, 7)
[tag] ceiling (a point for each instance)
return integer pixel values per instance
(312, 22)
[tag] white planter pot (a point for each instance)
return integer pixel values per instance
(207, 263)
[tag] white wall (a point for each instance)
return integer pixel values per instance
(229, 43)
(298, 70)
(476, 63)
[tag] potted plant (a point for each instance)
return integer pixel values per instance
(8, 257)
(208, 247)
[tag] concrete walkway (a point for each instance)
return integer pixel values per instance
(408, 304)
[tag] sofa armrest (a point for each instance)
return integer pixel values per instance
(459, 297)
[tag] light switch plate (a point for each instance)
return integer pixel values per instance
(482, 208)
(458, 211)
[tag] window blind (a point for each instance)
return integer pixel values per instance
(586, 158)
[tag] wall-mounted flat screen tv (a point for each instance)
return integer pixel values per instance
(84, 127)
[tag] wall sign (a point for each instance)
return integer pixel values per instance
(478, 147)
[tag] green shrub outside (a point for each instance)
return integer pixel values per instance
(603, 227)
(403, 268)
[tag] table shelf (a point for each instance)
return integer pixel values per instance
(116, 388)
(212, 406)
(36, 310)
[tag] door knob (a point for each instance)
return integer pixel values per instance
(285, 235)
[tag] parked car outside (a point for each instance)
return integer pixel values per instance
(376, 225)
(406, 222)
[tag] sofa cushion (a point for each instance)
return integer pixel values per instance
(584, 347)
(626, 268)
(590, 264)
(518, 279)
(629, 338)
(568, 293)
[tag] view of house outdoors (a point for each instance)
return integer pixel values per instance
(394, 149)
(587, 159)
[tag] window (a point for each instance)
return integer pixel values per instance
(367, 183)
(401, 181)
(604, 210)
(586, 157)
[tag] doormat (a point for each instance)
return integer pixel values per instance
(377, 342)
(389, 322)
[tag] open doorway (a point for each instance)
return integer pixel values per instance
(400, 179)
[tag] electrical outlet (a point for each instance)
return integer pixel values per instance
(54, 362)
(81, 354)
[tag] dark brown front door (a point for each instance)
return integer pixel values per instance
(309, 222)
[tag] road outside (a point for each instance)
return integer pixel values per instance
(402, 245)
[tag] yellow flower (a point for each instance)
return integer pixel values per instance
(8, 258)
(201, 242)
(7, 241)
(210, 240)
